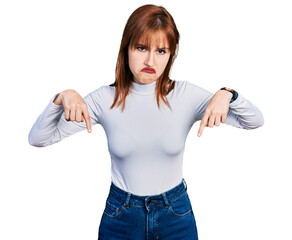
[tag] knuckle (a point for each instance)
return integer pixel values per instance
(216, 112)
(81, 104)
(73, 105)
(205, 118)
(86, 114)
(208, 111)
(66, 107)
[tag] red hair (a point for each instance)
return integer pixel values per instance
(143, 23)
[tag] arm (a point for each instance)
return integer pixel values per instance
(243, 114)
(51, 126)
(215, 108)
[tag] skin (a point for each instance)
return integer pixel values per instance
(140, 57)
(74, 106)
(153, 57)
(216, 111)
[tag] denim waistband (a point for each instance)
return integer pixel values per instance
(131, 199)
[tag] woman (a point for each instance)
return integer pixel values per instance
(146, 117)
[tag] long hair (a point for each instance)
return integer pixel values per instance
(145, 21)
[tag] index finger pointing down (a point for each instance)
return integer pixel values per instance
(87, 120)
(203, 124)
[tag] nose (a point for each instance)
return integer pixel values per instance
(149, 61)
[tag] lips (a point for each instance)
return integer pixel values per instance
(148, 70)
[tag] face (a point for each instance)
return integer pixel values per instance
(147, 63)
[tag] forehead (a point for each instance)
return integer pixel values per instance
(153, 39)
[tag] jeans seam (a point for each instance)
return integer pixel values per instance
(177, 197)
(117, 198)
(116, 216)
(180, 215)
(111, 195)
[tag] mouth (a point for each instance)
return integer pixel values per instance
(148, 70)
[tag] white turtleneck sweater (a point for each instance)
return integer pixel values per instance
(146, 144)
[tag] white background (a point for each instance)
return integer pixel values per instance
(239, 181)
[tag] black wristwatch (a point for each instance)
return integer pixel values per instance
(234, 93)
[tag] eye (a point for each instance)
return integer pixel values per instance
(161, 51)
(142, 49)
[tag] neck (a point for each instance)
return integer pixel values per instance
(143, 89)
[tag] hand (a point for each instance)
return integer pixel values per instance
(216, 111)
(74, 106)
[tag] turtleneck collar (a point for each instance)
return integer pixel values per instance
(143, 89)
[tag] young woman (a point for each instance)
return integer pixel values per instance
(146, 117)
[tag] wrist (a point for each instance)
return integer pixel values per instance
(232, 92)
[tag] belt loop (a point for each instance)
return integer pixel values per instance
(184, 181)
(126, 204)
(165, 199)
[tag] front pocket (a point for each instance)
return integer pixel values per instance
(181, 206)
(113, 207)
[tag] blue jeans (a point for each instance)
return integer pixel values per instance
(166, 216)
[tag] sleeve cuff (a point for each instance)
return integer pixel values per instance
(53, 105)
(236, 102)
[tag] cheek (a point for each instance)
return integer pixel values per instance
(133, 62)
(162, 64)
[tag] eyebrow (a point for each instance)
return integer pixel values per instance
(142, 45)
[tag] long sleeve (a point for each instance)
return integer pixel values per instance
(146, 143)
(242, 113)
(52, 127)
